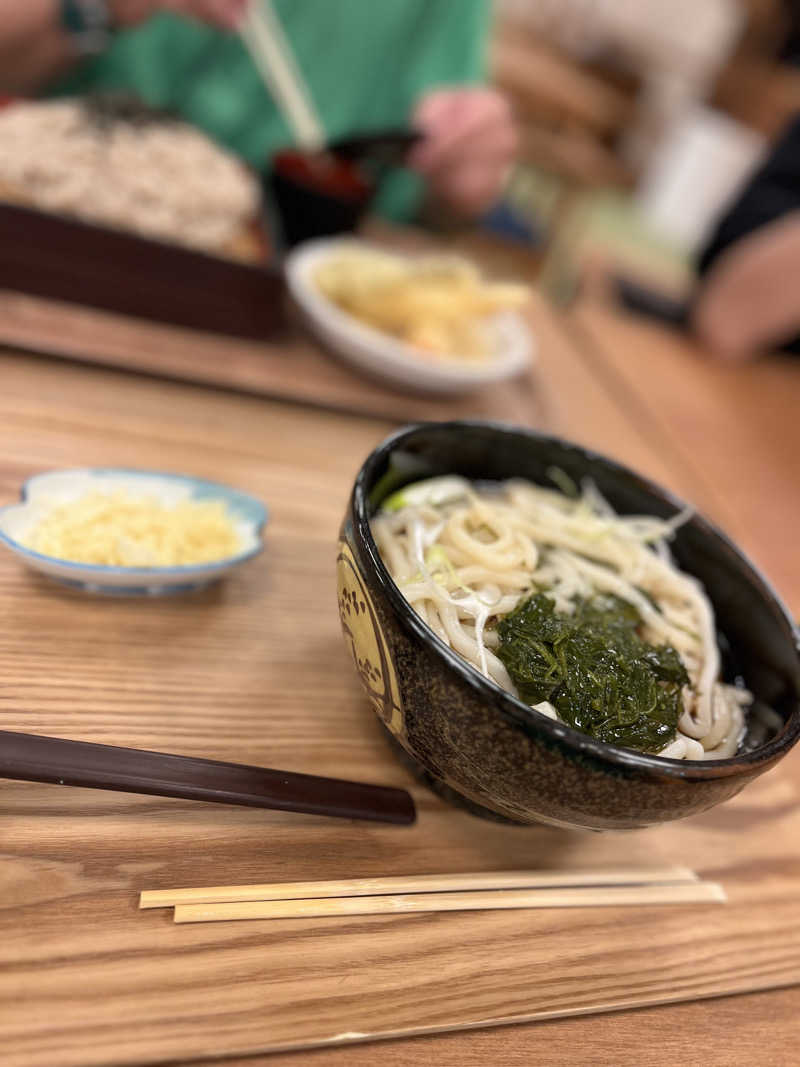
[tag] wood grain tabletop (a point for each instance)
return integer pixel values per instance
(736, 426)
(254, 670)
(721, 1032)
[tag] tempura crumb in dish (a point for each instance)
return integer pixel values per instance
(119, 529)
(125, 532)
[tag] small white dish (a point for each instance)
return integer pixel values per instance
(43, 491)
(384, 356)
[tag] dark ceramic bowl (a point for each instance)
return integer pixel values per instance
(328, 193)
(483, 748)
(316, 200)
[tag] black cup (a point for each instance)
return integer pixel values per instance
(316, 198)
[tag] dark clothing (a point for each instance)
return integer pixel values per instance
(790, 50)
(772, 192)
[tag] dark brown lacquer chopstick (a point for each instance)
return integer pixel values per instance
(30, 758)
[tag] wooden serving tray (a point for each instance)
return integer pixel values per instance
(243, 334)
(67, 259)
(291, 365)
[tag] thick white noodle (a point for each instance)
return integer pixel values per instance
(465, 557)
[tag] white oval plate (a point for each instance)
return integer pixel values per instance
(395, 361)
(43, 491)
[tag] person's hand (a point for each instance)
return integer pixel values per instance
(469, 146)
(223, 13)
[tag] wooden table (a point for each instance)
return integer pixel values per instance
(732, 434)
(241, 672)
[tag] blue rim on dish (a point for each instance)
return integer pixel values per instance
(241, 505)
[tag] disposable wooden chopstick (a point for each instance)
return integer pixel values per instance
(575, 897)
(263, 36)
(423, 883)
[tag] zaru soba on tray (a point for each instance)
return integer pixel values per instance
(111, 160)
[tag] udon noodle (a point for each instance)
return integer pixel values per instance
(465, 556)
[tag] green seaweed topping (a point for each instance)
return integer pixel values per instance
(595, 670)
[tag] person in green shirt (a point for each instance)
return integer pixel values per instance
(368, 63)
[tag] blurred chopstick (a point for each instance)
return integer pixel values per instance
(263, 36)
(423, 883)
(575, 897)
